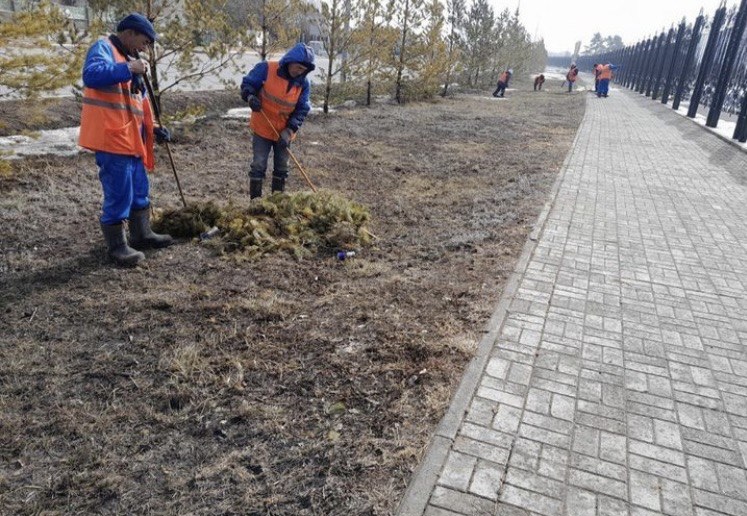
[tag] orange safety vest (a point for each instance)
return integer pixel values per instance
(605, 72)
(112, 120)
(503, 78)
(571, 75)
(278, 103)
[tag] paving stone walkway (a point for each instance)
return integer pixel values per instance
(614, 378)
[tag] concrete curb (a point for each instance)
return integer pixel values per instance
(423, 481)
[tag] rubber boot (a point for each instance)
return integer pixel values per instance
(142, 236)
(118, 250)
(255, 188)
(278, 184)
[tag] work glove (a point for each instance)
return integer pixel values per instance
(162, 134)
(285, 138)
(254, 103)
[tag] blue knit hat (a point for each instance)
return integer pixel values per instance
(138, 23)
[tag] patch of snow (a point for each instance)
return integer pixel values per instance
(240, 113)
(245, 112)
(58, 142)
(724, 129)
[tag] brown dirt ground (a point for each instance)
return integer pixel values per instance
(199, 385)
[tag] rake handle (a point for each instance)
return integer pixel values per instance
(157, 112)
(298, 165)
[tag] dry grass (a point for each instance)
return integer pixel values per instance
(200, 385)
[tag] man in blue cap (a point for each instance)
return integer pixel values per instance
(117, 123)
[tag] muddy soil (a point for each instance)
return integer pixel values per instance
(199, 384)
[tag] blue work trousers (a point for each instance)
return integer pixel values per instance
(125, 185)
(603, 88)
(261, 148)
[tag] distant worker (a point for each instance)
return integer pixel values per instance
(278, 95)
(605, 74)
(538, 82)
(500, 89)
(117, 123)
(571, 76)
(595, 70)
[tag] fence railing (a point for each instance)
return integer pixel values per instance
(703, 64)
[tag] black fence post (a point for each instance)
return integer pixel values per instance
(689, 58)
(673, 62)
(641, 83)
(663, 63)
(655, 64)
(628, 66)
(705, 65)
(714, 113)
(633, 80)
(649, 65)
(625, 65)
(740, 132)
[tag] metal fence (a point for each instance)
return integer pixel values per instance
(703, 64)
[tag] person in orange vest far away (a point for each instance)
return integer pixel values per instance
(278, 95)
(538, 82)
(571, 76)
(117, 123)
(595, 71)
(605, 74)
(500, 89)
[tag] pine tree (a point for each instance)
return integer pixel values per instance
(455, 18)
(479, 38)
(596, 45)
(408, 20)
(39, 53)
(373, 39)
(196, 38)
(434, 55)
(273, 25)
(335, 20)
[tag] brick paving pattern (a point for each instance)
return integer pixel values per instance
(617, 381)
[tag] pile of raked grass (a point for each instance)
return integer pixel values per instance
(301, 224)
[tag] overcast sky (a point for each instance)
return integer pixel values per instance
(563, 22)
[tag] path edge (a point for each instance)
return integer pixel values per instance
(423, 481)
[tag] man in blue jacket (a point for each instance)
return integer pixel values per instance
(278, 94)
(117, 123)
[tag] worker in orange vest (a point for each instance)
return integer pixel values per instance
(278, 95)
(117, 124)
(605, 74)
(571, 76)
(595, 70)
(538, 82)
(500, 89)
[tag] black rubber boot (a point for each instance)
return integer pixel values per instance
(278, 184)
(255, 188)
(118, 250)
(142, 236)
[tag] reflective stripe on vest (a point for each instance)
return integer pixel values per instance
(112, 120)
(278, 103)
